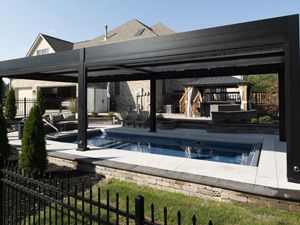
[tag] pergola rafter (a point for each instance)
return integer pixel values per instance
(265, 46)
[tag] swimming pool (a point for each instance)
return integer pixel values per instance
(226, 152)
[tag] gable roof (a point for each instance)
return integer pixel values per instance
(217, 81)
(162, 29)
(58, 44)
(126, 32)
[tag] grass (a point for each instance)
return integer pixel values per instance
(219, 213)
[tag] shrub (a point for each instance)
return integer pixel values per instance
(254, 120)
(73, 106)
(40, 101)
(33, 156)
(5, 147)
(94, 114)
(10, 105)
(265, 119)
(159, 116)
(111, 114)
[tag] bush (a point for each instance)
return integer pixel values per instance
(160, 116)
(33, 156)
(10, 105)
(5, 147)
(265, 119)
(40, 101)
(111, 114)
(94, 114)
(254, 120)
(73, 106)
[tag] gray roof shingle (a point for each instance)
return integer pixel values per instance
(126, 32)
(58, 44)
(217, 81)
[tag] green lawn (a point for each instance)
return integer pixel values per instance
(219, 213)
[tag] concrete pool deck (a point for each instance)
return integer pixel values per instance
(267, 179)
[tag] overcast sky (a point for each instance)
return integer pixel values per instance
(76, 20)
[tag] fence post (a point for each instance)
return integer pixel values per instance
(139, 210)
(1, 191)
(24, 107)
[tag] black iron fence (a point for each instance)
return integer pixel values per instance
(25, 200)
(23, 106)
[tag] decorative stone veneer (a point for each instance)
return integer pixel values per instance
(187, 188)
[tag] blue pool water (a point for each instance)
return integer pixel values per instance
(236, 153)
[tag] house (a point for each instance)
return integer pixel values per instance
(122, 96)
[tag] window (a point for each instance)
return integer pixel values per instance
(43, 51)
(117, 88)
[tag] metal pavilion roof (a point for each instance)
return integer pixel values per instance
(264, 46)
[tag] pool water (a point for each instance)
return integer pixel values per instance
(235, 153)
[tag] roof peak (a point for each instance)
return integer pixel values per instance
(59, 39)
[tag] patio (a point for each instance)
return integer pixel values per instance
(268, 179)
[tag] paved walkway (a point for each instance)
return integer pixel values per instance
(269, 176)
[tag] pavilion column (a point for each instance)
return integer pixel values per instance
(152, 105)
(82, 104)
(1, 92)
(281, 92)
(292, 95)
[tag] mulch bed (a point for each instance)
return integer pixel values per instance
(60, 174)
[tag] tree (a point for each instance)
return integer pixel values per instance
(40, 101)
(263, 83)
(4, 88)
(33, 156)
(10, 105)
(5, 146)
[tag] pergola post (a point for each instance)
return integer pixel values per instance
(281, 92)
(1, 92)
(292, 95)
(152, 105)
(82, 104)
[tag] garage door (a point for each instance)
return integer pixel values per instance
(25, 93)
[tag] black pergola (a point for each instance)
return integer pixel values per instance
(265, 46)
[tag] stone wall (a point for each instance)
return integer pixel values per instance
(187, 188)
(127, 97)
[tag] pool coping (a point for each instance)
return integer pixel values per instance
(285, 194)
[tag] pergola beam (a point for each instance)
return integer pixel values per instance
(265, 46)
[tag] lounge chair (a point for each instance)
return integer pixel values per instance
(64, 122)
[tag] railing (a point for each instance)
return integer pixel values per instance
(222, 96)
(25, 200)
(23, 106)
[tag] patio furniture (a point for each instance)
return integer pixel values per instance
(143, 119)
(64, 121)
(118, 119)
(130, 119)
